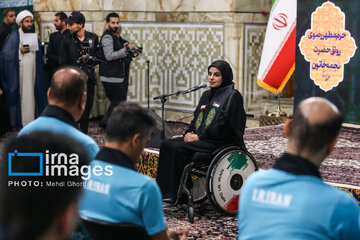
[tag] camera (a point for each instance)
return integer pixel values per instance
(136, 51)
(90, 60)
(87, 62)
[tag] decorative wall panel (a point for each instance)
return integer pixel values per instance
(179, 55)
(254, 36)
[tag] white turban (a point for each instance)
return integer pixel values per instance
(23, 14)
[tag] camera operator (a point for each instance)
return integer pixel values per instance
(78, 49)
(114, 70)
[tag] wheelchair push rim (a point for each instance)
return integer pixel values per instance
(225, 178)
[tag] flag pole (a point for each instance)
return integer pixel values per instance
(278, 112)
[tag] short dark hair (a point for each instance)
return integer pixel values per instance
(126, 120)
(61, 15)
(313, 137)
(76, 17)
(6, 11)
(68, 92)
(110, 15)
(30, 210)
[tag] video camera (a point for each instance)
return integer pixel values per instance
(90, 61)
(136, 51)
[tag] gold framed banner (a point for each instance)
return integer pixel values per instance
(327, 46)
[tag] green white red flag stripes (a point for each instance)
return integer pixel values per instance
(278, 56)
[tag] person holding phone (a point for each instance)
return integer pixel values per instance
(25, 48)
(22, 74)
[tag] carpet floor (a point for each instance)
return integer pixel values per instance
(342, 166)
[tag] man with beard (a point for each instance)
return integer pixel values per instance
(75, 49)
(55, 40)
(5, 27)
(114, 70)
(5, 30)
(22, 74)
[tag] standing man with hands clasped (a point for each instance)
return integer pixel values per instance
(75, 50)
(114, 69)
(9, 18)
(55, 41)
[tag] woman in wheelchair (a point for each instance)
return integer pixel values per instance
(219, 120)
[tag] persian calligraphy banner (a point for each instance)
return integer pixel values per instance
(278, 57)
(327, 46)
(326, 54)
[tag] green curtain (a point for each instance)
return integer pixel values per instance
(17, 10)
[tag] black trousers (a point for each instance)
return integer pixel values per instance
(4, 114)
(175, 154)
(4, 117)
(84, 120)
(116, 93)
(126, 86)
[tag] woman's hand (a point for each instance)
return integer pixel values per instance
(191, 137)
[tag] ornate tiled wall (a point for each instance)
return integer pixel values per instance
(179, 55)
(254, 36)
(180, 38)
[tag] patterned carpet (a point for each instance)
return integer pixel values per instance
(266, 144)
(342, 166)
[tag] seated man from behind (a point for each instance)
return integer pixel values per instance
(67, 98)
(290, 201)
(41, 207)
(126, 196)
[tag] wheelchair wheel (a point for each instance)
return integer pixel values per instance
(225, 177)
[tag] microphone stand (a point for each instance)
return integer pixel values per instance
(163, 98)
(148, 83)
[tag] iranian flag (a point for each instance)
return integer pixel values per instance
(278, 57)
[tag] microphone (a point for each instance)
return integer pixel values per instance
(203, 85)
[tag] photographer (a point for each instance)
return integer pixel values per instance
(114, 70)
(78, 49)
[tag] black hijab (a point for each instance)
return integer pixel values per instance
(226, 74)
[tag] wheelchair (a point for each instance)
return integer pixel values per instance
(217, 176)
